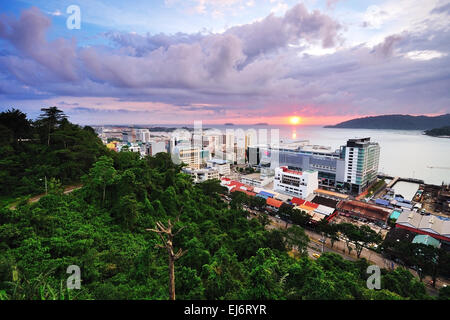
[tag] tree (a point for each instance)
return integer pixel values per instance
(300, 217)
(102, 175)
(212, 187)
(364, 236)
(50, 118)
(258, 203)
(348, 230)
(16, 121)
(401, 281)
(238, 199)
(296, 238)
(444, 293)
(166, 235)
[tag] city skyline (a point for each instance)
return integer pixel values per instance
(173, 62)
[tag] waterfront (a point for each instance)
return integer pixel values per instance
(404, 153)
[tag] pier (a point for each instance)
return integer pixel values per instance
(397, 179)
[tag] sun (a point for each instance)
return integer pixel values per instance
(294, 120)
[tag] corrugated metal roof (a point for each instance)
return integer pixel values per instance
(395, 214)
(297, 201)
(274, 203)
(264, 193)
(426, 239)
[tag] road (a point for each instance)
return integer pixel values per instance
(340, 248)
(67, 190)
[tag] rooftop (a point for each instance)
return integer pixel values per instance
(286, 170)
(273, 202)
(431, 224)
(365, 209)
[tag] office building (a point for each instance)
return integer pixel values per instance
(361, 163)
(296, 183)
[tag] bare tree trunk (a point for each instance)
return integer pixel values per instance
(171, 278)
(168, 245)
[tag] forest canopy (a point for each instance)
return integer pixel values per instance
(103, 228)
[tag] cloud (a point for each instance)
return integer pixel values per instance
(261, 69)
(445, 8)
(28, 36)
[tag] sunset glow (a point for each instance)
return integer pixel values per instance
(294, 120)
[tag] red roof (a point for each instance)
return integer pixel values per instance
(249, 193)
(285, 169)
(297, 201)
(311, 204)
(274, 203)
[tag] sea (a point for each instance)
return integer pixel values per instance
(403, 153)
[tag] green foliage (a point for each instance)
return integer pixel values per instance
(442, 131)
(102, 228)
(51, 147)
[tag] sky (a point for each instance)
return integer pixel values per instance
(239, 61)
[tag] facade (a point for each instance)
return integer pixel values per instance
(193, 157)
(222, 165)
(143, 135)
(361, 163)
(256, 180)
(155, 147)
(188, 155)
(201, 175)
(353, 167)
(296, 183)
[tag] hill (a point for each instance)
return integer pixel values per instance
(50, 148)
(439, 132)
(395, 121)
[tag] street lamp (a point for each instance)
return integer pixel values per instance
(45, 183)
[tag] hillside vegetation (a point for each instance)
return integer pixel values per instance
(103, 229)
(396, 122)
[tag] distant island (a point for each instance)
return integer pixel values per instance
(261, 124)
(396, 121)
(229, 124)
(439, 132)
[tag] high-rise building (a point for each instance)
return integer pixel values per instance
(353, 167)
(194, 157)
(143, 135)
(361, 163)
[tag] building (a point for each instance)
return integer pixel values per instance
(222, 165)
(155, 147)
(358, 209)
(143, 135)
(427, 240)
(273, 204)
(201, 175)
(296, 183)
(256, 180)
(435, 226)
(361, 164)
(193, 157)
(353, 167)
